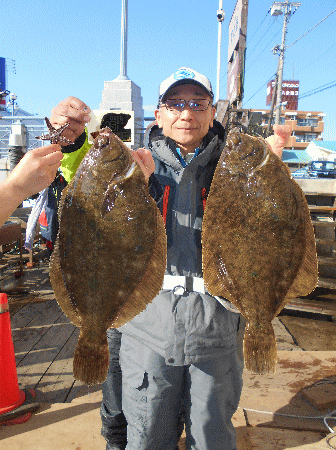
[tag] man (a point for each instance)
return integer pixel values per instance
(33, 173)
(180, 354)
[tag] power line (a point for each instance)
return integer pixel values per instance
(317, 90)
(262, 37)
(262, 50)
(272, 77)
(311, 29)
(259, 26)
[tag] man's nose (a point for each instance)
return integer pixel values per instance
(186, 112)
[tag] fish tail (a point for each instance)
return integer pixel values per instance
(91, 360)
(260, 349)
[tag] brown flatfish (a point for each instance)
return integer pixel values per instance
(258, 241)
(109, 259)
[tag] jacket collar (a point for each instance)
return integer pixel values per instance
(164, 148)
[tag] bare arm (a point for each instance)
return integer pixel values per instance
(35, 172)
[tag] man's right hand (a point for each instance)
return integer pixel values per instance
(75, 112)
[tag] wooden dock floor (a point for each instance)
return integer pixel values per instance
(44, 343)
(44, 339)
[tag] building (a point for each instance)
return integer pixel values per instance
(322, 150)
(289, 96)
(306, 126)
(35, 127)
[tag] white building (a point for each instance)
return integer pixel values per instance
(322, 150)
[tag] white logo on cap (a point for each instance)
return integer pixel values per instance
(183, 73)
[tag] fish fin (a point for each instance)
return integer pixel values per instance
(260, 349)
(59, 287)
(91, 360)
(151, 282)
(217, 279)
(307, 277)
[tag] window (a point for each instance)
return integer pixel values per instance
(307, 137)
(307, 122)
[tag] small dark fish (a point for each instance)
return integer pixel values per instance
(258, 241)
(110, 255)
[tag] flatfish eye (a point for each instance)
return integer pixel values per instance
(102, 140)
(252, 153)
(235, 138)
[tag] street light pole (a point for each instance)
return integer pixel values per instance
(123, 51)
(220, 18)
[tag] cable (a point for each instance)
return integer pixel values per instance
(259, 89)
(259, 41)
(313, 90)
(310, 29)
(329, 416)
(259, 25)
(316, 91)
(262, 51)
(328, 439)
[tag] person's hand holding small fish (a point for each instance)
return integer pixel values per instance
(72, 111)
(35, 172)
(145, 160)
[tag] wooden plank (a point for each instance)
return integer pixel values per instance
(274, 400)
(74, 426)
(25, 339)
(325, 260)
(36, 312)
(322, 395)
(58, 380)
(274, 439)
(32, 368)
(323, 223)
(79, 390)
(314, 306)
(327, 283)
(330, 242)
(319, 186)
(321, 208)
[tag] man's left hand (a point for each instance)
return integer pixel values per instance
(279, 139)
(145, 160)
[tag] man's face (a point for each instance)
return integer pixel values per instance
(188, 127)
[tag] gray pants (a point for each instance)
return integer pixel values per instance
(154, 393)
(114, 426)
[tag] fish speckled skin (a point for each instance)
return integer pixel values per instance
(258, 241)
(110, 255)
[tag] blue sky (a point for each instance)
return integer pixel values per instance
(64, 48)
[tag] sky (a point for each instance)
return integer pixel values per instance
(69, 48)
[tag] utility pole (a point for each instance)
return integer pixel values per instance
(277, 9)
(220, 18)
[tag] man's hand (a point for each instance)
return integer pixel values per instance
(73, 111)
(279, 139)
(145, 160)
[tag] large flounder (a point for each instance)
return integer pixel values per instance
(258, 241)
(110, 255)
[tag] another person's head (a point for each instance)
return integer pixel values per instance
(185, 108)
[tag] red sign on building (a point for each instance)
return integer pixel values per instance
(290, 94)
